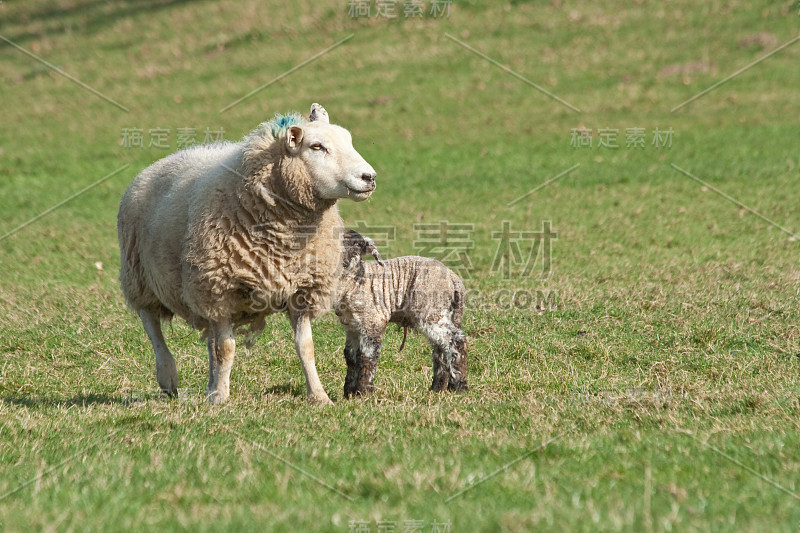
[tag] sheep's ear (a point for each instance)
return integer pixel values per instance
(318, 114)
(294, 138)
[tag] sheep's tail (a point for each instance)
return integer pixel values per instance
(402, 344)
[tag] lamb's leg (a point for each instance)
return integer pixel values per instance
(441, 377)
(449, 357)
(458, 367)
(352, 353)
(221, 350)
(369, 353)
(166, 371)
(304, 345)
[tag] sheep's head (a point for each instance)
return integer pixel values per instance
(326, 151)
(355, 246)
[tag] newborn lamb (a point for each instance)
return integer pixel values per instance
(410, 291)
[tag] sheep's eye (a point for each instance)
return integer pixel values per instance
(317, 146)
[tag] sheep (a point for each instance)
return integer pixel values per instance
(223, 235)
(410, 291)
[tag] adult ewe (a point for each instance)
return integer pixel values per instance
(410, 291)
(223, 235)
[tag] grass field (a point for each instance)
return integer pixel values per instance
(643, 375)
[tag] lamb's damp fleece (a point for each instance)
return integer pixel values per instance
(410, 291)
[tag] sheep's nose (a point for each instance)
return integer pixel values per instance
(368, 177)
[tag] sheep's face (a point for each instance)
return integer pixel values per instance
(335, 168)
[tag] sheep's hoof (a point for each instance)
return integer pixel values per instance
(168, 383)
(319, 399)
(216, 397)
(171, 393)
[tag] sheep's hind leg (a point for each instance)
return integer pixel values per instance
(221, 351)
(166, 370)
(304, 345)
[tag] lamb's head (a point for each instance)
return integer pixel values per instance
(326, 151)
(355, 246)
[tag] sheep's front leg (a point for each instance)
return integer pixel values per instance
(166, 371)
(304, 345)
(221, 350)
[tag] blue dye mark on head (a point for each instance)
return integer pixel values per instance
(280, 123)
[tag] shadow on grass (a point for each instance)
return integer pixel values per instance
(93, 16)
(287, 389)
(81, 400)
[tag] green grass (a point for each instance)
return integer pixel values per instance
(659, 393)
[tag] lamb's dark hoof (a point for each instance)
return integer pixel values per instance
(458, 386)
(171, 393)
(364, 391)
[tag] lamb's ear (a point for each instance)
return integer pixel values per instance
(294, 138)
(318, 114)
(372, 249)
